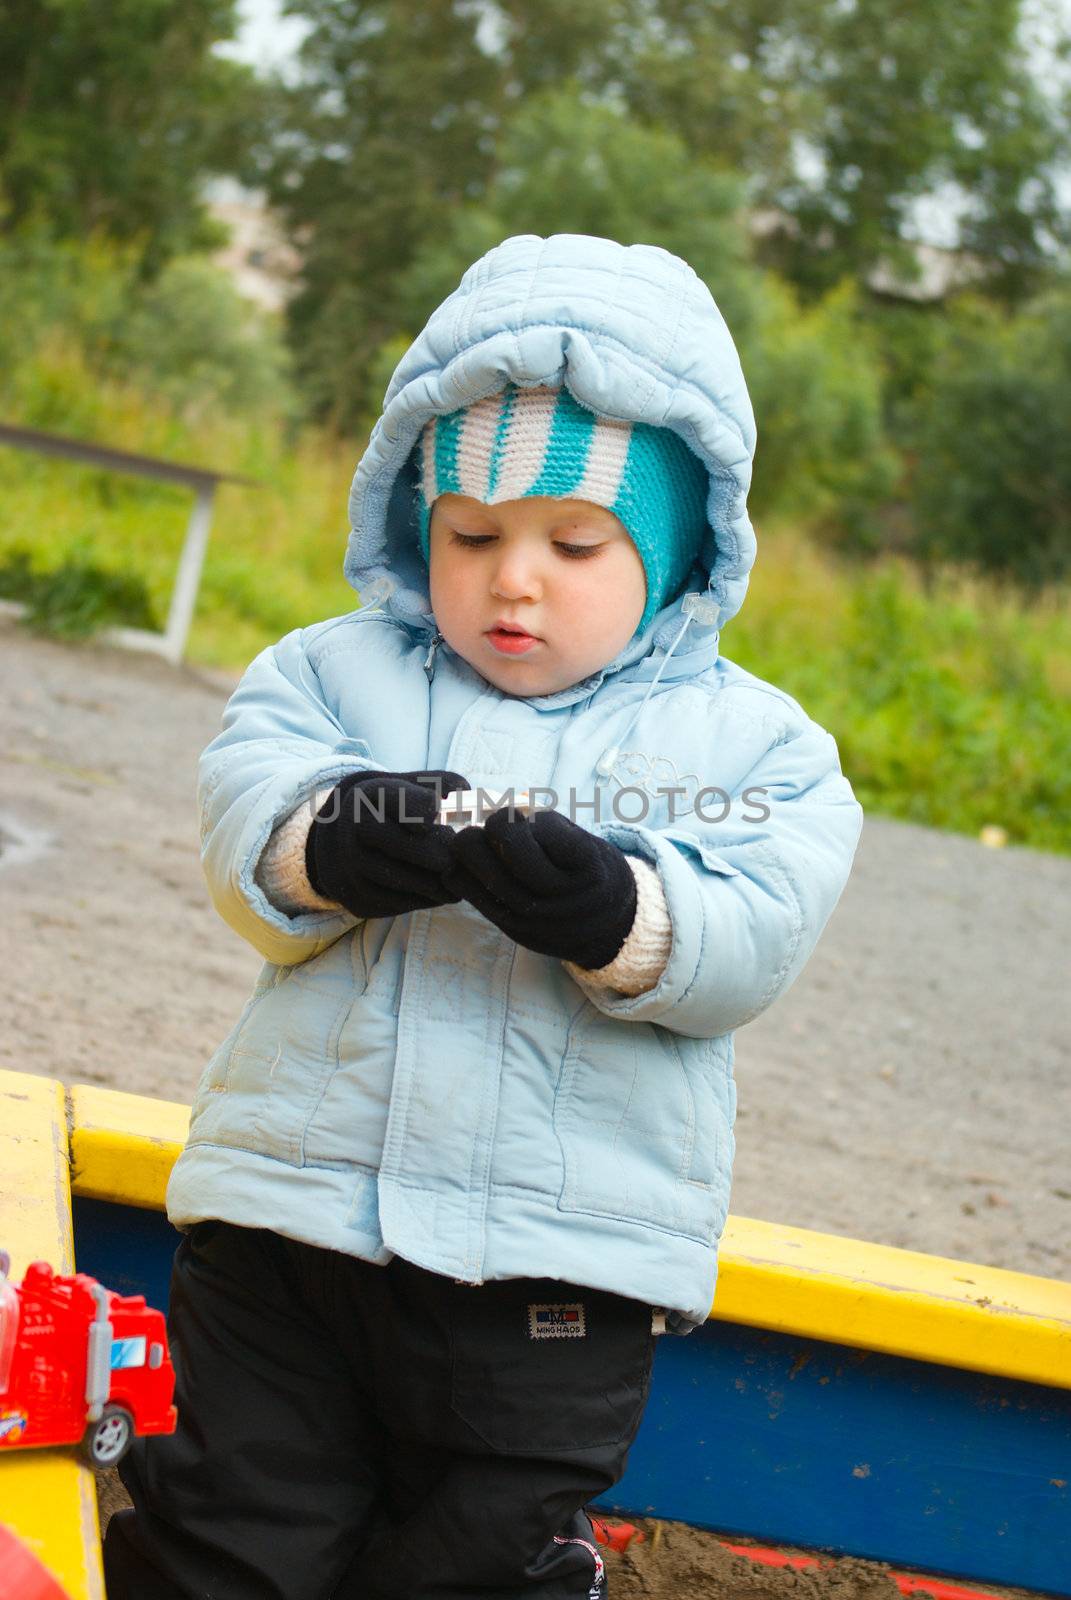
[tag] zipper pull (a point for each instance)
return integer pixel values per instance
(429, 659)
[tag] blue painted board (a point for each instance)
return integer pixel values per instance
(802, 1442)
(794, 1441)
(126, 1248)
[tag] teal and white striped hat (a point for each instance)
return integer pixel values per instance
(541, 441)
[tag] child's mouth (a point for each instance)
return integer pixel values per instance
(510, 640)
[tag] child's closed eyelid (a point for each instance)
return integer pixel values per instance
(578, 552)
(572, 551)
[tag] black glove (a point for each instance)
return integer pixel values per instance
(375, 845)
(548, 884)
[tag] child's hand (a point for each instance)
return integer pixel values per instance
(375, 845)
(548, 884)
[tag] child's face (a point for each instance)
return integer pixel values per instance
(536, 594)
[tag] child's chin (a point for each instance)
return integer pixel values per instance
(526, 679)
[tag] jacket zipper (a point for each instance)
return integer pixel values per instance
(429, 659)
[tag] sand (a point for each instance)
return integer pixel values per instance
(675, 1560)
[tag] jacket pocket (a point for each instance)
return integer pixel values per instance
(213, 1079)
(347, 1123)
(541, 1366)
(698, 846)
(643, 1120)
(282, 1056)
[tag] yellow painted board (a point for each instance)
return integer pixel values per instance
(35, 1207)
(877, 1297)
(46, 1496)
(790, 1280)
(123, 1146)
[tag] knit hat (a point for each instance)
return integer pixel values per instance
(541, 441)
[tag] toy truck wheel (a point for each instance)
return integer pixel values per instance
(108, 1439)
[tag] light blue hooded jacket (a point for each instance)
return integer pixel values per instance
(421, 1085)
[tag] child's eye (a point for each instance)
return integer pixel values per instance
(471, 541)
(577, 552)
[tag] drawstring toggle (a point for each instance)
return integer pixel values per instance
(700, 608)
(377, 593)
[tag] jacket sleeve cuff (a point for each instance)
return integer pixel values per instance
(281, 873)
(641, 961)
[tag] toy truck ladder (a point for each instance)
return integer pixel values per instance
(98, 1356)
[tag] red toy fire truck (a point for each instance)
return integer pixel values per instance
(79, 1363)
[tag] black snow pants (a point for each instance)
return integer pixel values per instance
(356, 1432)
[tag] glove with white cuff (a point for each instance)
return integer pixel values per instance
(548, 884)
(375, 845)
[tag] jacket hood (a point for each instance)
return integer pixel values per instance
(633, 333)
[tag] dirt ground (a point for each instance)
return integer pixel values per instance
(912, 1088)
(675, 1560)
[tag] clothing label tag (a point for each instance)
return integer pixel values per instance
(557, 1322)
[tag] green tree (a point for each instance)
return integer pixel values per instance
(111, 115)
(816, 384)
(78, 317)
(404, 120)
(389, 129)
(568, 164)
(393, 127)
(993, 480)
(887, 104)
(734, 79)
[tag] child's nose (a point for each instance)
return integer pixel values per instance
(516, 577)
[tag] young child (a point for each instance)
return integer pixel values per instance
(468, 1146)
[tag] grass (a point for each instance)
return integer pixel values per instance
(950, 701)
(76, 598)
(275, 552)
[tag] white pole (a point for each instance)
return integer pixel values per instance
(188, 577)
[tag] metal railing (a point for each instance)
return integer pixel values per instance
(172, 642)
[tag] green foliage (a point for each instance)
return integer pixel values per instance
(110, 115)
(398, 113)
(380, 371)
(567, 165)
(414, 138)
(540, 47)
(76, 598)
(734, 79)
(201, 345)
(890, 103)
(993, 480)
(911, 98)
(563, 164)
(908, 341)
(177, 367)
(388, 129)
(950, 703)
(956, 730)
(815, 384)
(72, 313)
(574, 166)
(49, 288)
